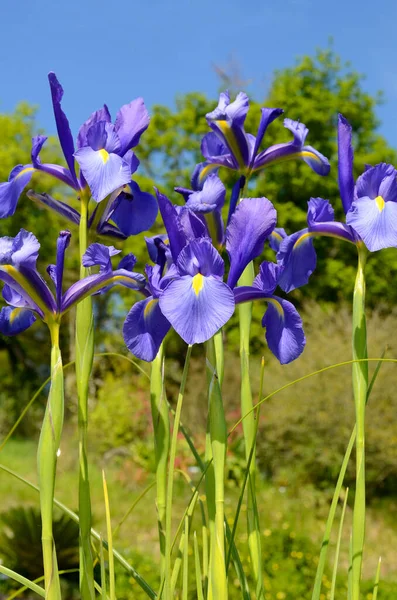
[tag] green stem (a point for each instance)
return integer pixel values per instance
(161, 429)
(217, 587)
(84, 359)
(360, 387)
(249, 429)
(50, 437)
(170, 483)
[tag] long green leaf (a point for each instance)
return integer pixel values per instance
(199, 578)
(376, 583)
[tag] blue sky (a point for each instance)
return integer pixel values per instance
(114, 51)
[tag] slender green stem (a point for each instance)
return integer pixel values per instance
(84, 359)
(249, 429)
(50, 438)
(170, 482)
(161, 429)
(217, 587)
(360, 387)
(337, 550)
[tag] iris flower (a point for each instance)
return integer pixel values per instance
(370, 206)
(228, 145)
(186, 289)
(104, 154)
(29, 297)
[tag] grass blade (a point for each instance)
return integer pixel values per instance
(336, 560)
(376, 582)
(185, 573)
(22, 580)
(103, 571)
(112, 584)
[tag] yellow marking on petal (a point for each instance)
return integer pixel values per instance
(302, 239)
(26, 170)
(208, 169)
(28, 287)
(231, 140)
(198, 283)
(14, 314)
(104, 155)
(276, 235)
(149, 307)
(380, 203)
(277, 306)
(293, 156)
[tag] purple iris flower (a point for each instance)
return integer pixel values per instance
(228, 145)
(191, 295)
(107, 162)
(27, 293)
(284, 329)
(370, 206)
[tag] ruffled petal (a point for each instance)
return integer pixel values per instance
(103, 172)
(268, 277)
(15, 320)
(319, 210)
(11, 190)
(131, 121)
(99, 115)
(197, 307)
(200, 256)
(375, 222)
(211, 197)
(284, 330)
(99, 255)
(251, 224)
(136, 211)
(145, 328)
(377, 181)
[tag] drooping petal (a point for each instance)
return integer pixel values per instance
(99, 115)
(94, 284)
(319, 211)
(284, 330)
(268, 115)
(62, 123)
(11, 190)
(197, 307)
(60, 208)
(25, 250)
(56, 171)
(251, 224)
(200, 257)
(294, 150)
(103, 172)
(276, 237)
(375, 222)
(145, 328)
(136, 211)
(15, 320)
(177, 237)
(345, 163)
(297, 258)
(131, 121)
(13, 298)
